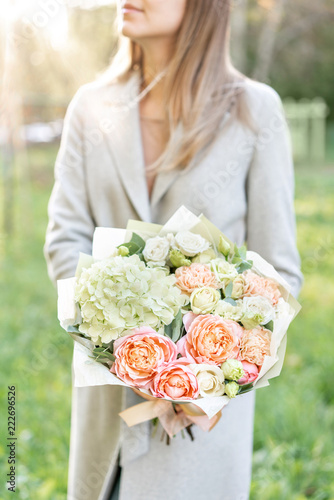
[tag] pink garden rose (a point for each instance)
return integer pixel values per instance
(139, 355)
(255, 345)
(176, 381)
(257, 285)
(211, 339)
(188, 278)
(251, 372)
(188, 318)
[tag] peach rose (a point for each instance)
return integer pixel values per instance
(211, 339)
(255, 345)
(251, 372)
(188, 278)
(257, 285)
(139, 355)
(176, 381)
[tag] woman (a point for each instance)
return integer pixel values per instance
(176, 125)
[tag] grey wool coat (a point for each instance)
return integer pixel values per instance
(244, 184)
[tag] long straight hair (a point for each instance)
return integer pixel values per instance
(201, 84)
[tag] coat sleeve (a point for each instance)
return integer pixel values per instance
(271, 228)
(71, 225)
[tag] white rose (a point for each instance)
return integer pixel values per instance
(191, 244)
(205, 257)
(203, 300)
(156, 250)
(228, 311)
(282, 308)
(224, 271)
(256, 311)
(171, 239)
(210, 380)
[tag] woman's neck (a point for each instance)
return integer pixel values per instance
(156, 56)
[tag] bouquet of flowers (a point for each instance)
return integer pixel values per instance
(178, 313)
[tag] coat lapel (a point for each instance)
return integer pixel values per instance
(163, 182)
(124, 140)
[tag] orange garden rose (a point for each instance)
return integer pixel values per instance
(188, 278)
(139, 355)
(255, 345)
(257, 285)
(211, 339)
(175, 381)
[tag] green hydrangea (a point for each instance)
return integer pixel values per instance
(120, 293)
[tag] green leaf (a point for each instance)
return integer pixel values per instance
(141, 256)
(132, 247)
(237, 260)
(74, 329)
(228, 289)
(174, 329)
(109, 345)
(269, 326)
(246, 264)
(230, 301)
(135, 246)
(245, 388)
(242, 252)
(102, 353)
(138, 240)
(103, 361)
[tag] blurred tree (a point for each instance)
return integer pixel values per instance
(44, 70)
(93, 40)
(239, 34)
(289, 45)
(268, 37)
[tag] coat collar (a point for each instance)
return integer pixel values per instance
(123, 134)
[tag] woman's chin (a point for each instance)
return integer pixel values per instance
(129, 30)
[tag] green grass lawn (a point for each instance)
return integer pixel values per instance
(293, 443)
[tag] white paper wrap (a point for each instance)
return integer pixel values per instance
(88, 372)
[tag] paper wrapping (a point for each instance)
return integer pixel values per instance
(88, 372)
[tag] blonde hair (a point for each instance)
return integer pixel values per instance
(201, 84)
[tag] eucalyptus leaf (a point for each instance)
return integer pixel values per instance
(237, 260)
(244, 266)
(103, 361)
(230, 301)
(228, 289)
(109, 345)
(102, 353)
(174, 329)
(243, 252)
